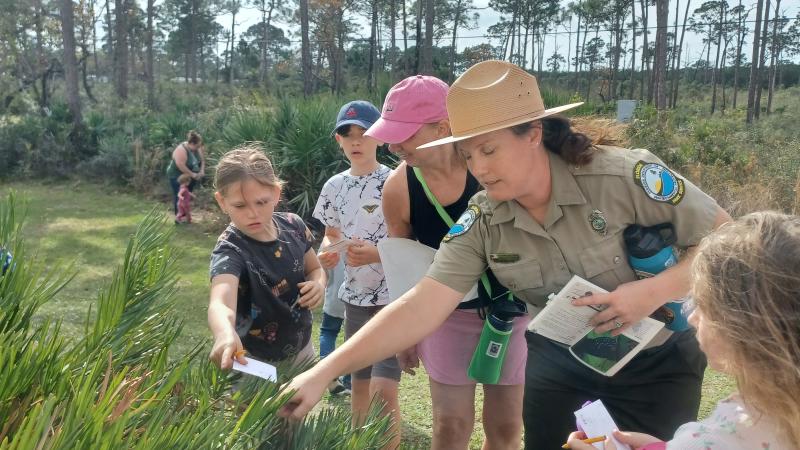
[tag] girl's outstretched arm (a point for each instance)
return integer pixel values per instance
(222, 321)
(397, 327)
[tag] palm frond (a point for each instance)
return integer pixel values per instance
(115, 388)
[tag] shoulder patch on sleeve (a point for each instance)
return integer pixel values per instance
(464, 222)
(658, 182)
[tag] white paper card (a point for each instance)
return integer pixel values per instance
(257, 368)
(337, 247)
(405, 262)
(595, 420)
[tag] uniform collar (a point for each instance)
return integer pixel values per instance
(565, 191)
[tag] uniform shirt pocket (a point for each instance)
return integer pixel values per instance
(523, 278)
(605, 264)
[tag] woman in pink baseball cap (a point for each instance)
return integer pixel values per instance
(415, 113)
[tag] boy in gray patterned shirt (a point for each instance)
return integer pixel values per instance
(350, 208)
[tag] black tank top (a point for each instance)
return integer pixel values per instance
(427, 225)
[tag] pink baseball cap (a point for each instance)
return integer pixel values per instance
(409, 104)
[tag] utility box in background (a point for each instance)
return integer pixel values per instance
(625, 109)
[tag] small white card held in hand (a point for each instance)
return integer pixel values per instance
(257, 368)
(595, 420)
(337, 247)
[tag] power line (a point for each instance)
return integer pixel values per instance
(410, 38)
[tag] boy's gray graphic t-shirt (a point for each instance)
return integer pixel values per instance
(353, 205)
(270, 323)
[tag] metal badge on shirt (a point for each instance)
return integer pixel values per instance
(598, 222)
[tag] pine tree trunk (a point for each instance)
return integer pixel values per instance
(456, 20)
(524, 46)
(201, 60)
(427, 68)
(577, 53)
(372, 45)
(583, 47)
(418, 45)
(111, 55)
(722, 75)
(675, 84)
(94, 40)
(674, 54)
(406, 62)
(511, 33)
(192, 52)
(305, 48)
(393, 39)
(340, 50)
(738, 59)
(660, 64)
(762, 60)
(540, 51)
(707, 72)
(715, 75)
(266, 42)
(569, 45)
(84, 61)
(262, 45)
(151, 77)
(773, 56)
(70, 61)
(754, 73)
(121, 47)
(633, 54)
(231, 68)
(617, 33)
(645, 55)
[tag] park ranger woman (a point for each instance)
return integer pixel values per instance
(554, 205)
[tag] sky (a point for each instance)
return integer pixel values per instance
(693, 45)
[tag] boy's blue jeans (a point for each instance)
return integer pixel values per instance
(328, 332)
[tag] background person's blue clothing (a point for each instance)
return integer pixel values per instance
(332, 315)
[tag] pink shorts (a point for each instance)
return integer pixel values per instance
(447, 352)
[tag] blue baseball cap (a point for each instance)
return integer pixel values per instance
(357, 112)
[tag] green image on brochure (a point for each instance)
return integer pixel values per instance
(567, 324)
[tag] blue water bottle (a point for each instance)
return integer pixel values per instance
(649, 253)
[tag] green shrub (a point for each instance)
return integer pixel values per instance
(170, 129)
(114, 387)
(114, 162)
(18, 136)
(304, 152)
(248, 125)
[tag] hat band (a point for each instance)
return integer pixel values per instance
(492, 126)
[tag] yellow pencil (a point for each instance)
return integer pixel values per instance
(239, 353)
(588, 441)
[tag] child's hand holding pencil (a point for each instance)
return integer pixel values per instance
(574, 440)
(578, 441)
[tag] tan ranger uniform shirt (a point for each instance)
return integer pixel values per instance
(590, 206)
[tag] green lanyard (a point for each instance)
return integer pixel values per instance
(447, 220)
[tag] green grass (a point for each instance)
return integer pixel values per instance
(88, 226)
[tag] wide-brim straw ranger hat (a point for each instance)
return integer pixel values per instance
(490, 96)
